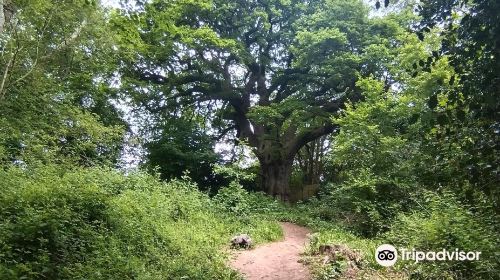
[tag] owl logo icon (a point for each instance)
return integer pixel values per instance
(386, 255)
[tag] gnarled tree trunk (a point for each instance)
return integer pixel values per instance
(276, 155)
(276, 178)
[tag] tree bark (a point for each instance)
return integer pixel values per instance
(276, 155)
(2, 16)
(276, 178)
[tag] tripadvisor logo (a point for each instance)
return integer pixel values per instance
(387, 255)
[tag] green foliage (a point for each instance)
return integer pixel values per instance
(327, 231)
(274, 71)
(435, 221)
(55, 85)
(376, 159)
(257, 211)
(329, 235)
(468, 119)
(99, 224)
(184, 146)
(470, 38)
(233, 199)
(365, 206)
(408, 168)
(234, 172)
(387, 149)
(414, 156)
(445, 223)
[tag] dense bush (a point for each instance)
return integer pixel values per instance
(256, 211)
(365, 205)
(406, 179)
(445, 224)
(435, 221)
(183, 146)
(98, 224)
(377, 158)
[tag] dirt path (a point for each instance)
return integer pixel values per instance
(277, 260)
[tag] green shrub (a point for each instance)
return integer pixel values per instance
(444, 223)
(98, 224)
(366, 205)
(233, 199)
(431, 222)
(250, 213)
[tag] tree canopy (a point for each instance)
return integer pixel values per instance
(275, 71)
(379, 118)
(55, 85)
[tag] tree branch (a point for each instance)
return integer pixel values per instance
(2, 16)
(224, 132)
(8, 67)
(310, 135)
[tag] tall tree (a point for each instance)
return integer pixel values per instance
(470, 116)
(55, 84)
(273, 70)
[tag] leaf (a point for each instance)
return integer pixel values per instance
(442, 119)
(433, 101)
(413, 119)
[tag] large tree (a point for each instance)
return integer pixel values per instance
(468, 114)
(55, 84)
(273, 70)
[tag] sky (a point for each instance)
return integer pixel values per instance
(111, 3)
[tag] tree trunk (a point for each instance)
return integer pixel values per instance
(276, 179)
(2, 16)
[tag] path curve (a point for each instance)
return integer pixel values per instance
(277, 260)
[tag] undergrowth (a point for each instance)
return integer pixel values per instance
(100, 224)
(440, 222)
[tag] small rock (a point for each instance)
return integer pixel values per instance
(241, 241)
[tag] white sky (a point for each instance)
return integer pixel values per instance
(111, 3)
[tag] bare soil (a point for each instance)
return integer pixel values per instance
(277, 260)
